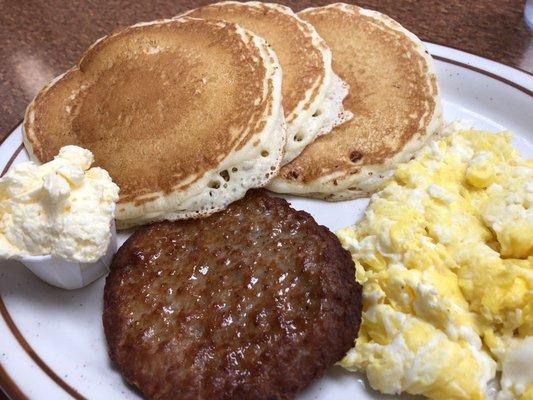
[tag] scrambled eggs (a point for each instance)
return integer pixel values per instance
(445, 256)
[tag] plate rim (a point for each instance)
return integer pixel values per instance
(520, 69)
(506, 74)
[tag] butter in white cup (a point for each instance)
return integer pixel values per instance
(58, 218)
(68, 274)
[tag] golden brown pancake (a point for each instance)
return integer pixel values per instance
(184, 114)
(393, 96)
(312, 93)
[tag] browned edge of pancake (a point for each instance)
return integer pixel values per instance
(112, 103)
(352, 161)
(300, 56)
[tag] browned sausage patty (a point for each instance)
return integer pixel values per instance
(251, 303)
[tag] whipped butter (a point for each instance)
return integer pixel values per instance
(62, 208)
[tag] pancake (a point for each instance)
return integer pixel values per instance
(216, 308)
(312, 93)
(394, 98)
(185, 115)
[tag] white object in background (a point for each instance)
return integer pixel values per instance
(67, 274)
(528, 14)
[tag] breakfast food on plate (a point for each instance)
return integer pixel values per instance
(62, 208)
(393, 96)
(312, 93)
(256, 300)
(445, 256)
(253, 302)
(185, 114)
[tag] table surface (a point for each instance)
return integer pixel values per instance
(41, 39)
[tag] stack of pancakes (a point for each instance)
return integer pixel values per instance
(189, 113)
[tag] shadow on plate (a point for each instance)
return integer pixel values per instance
(20, 286)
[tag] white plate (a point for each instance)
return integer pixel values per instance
(52, 344)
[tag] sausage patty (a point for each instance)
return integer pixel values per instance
(253, 302)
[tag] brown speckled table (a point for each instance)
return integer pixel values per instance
(40, 39)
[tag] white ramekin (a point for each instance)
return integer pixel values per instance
(67, 274)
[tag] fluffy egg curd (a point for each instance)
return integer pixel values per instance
(445, 256)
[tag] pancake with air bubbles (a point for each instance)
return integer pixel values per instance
(394, 98)
(185, 114)
(312, 92)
